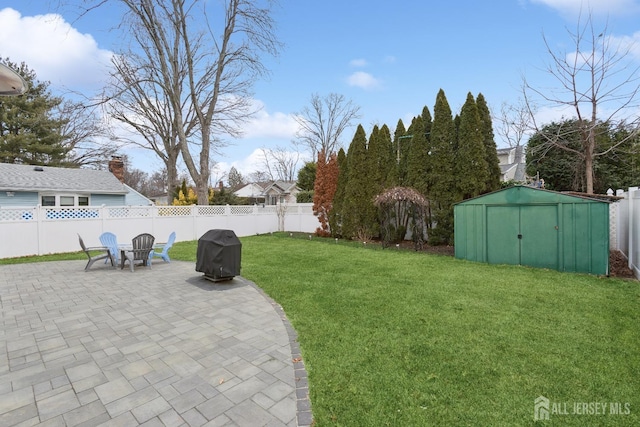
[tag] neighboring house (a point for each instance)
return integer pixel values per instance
(512, 164)
(281, 192)
(254, 192)
(270, 193)
(28, 185)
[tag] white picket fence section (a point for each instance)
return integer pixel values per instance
(45, 230)
(625, 227)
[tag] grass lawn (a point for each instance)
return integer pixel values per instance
(409, 339)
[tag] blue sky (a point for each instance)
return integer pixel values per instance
(389, 58)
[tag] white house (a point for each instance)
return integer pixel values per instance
(512, 164)
(270, 193)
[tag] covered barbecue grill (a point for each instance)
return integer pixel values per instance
(218, 255)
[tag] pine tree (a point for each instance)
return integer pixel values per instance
(358, 211)
(418, 160)
(29, 132)
(471, 169)
(442, 177)
(490, 149)
(307, 176)
(380, 154)
(336, 213)
(396, 174)
(427, 121)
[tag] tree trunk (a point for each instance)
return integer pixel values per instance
(588, 165)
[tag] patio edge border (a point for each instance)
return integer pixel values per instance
(304, 415)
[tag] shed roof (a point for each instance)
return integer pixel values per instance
(45, 178)
(521, 194)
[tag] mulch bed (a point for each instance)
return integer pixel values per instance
(619, 265)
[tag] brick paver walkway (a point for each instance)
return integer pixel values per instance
(157, 347)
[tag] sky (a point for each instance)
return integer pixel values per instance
(388, 58)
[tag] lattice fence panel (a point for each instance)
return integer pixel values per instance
(72, 213)
(130, 212)
(241, 210)
(268, 210)
(16, 214)
(174, 210)
(211, 210)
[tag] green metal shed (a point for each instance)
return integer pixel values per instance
(539, 228)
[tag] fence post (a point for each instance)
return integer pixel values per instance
(632, 227)
(39, 216)
(194, 216)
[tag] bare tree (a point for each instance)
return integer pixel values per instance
(205, 70)
(85, 136)
(598, 83)
(323, 121)
(514, 123)
(259, 176)
(280, 163)
(138, 99)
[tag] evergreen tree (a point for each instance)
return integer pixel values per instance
(380, 154)
(235, 179)
(29, 132)
(490, 149)
(427, 121)
(442, 177)
(418, 160)
(358, 210)
(471, 169)
(335, 215)
(562, 170)
(387, 158)
(307, 176)
(397, 175)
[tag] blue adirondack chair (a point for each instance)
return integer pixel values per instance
(164, 254)
(110, 241)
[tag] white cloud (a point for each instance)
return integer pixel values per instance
(597, 7)
(255, 161)
(271, 125)
(627, 43)
(363, 80)
(358, 62)
(55, 50)
(390, 59)
(245, 166)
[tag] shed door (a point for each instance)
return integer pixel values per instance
(539, 243)
(503, 227)
(525, 235)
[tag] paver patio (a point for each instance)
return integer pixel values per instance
(160, 346)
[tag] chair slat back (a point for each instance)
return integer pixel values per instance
(110, 241)
(142, 245)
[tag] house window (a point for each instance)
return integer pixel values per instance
(64, 200)
(48, 200)
(67, 201)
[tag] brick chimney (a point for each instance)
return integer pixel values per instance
(116, 167)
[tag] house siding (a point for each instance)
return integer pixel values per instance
(107, 200)
(20, 198)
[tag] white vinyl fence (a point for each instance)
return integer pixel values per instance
(625, 227)
(46, 230)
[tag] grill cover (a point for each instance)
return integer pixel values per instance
(219, 253)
